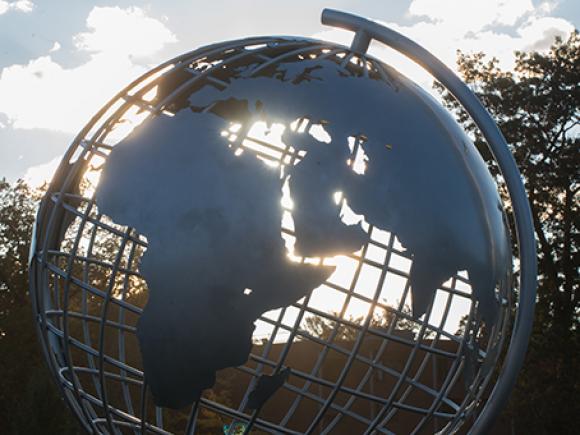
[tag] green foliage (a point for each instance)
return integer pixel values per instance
(537, 108)
(29, 401)
(16, 219)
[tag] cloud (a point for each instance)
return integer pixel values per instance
(495, 27)
(55, 47)
(123, 32)
(19, 6)
(44, 94)
(21, 149)
(471, 15)
(539, 34)
(36, 176)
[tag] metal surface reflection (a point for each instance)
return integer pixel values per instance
(295, 212)
(210, 208)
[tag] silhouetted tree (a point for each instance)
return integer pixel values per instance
(537, 107)
(29, 401)
(348, 330)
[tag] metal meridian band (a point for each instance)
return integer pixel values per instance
(366, 30)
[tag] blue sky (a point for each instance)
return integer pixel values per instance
(60, 61)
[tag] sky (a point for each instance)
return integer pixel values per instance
(61, 61)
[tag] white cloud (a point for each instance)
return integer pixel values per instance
(495, 27)
(36, 176)
(124, 32)
(472, 15)
(539, 34)
(55, 47)
(20, 6)
(548, 6)
(44, 94)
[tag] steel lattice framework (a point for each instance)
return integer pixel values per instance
(87, 307)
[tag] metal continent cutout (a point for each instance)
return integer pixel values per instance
(213, 218)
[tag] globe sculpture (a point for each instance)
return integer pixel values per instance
(284, 235)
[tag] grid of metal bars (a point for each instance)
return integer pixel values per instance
(66, 295)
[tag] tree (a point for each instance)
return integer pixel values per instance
(537, 108)
(324, 328)
(29, 402)
(16, 219)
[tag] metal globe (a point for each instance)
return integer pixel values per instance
(282, 235)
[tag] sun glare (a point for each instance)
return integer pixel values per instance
(364, 273)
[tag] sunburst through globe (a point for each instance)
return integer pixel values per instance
(282, 235)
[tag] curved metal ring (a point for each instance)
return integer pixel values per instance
(367, 30)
